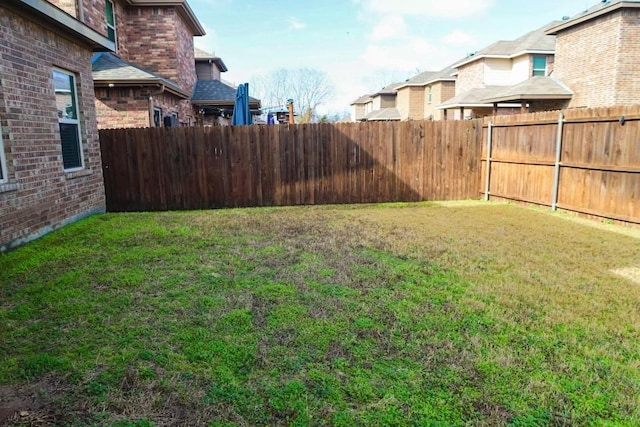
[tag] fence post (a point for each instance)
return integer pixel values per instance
(556, 175)
(487, 177)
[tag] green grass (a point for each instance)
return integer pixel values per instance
(413, 314)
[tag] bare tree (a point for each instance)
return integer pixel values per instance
(307, 87)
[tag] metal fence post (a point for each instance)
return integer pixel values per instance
(556, 175)
(487, 179)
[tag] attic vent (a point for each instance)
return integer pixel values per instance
(565, 18)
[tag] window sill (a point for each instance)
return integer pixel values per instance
(8, 186)
(78, 174)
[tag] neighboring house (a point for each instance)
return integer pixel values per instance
(482, 78)
(361, 107)
(418, 97)
(151, 75)
(213, 98)
(50, 165)
(380, 106)
(598, 54)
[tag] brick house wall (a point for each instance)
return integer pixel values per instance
(586, 60)
(410, 103)
(39, 195)
(122, 107)
(159, 39)
(627, 85)
(470, 76)
(440, 92)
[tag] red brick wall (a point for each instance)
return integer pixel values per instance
(586, 57)
(130, 107)
(40, 196)
(185, 59)
(470, 76)
(121, 108)
(628, 75)
(158, 39)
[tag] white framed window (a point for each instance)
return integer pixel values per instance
(110, 13)
(3, 162)
(430, 94)
(539, 65)
(68, 119)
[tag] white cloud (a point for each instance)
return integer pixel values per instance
(208, 42)
(389, 28)
(459, 38)
(452, 9)
(296, 24)
(410, 53)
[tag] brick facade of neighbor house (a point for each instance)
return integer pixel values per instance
(39, 195)
(470, 76)
(440, 91)
(154, 38)
(159, 40)
(598, 60)
(410, 103)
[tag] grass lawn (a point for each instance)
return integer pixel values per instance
(460, 314)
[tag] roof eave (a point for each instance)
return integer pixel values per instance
(57, 19)
(141, 82)
(214, 103)
(478, 105)
(525, 98)
(593, 15)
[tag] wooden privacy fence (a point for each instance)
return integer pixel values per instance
(586, 161)
(199, 168)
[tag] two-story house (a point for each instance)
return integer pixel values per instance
(598, 54)
(380, 106)
(50, 165)
(149, 80)
(419, 96)
(361, 107)
(482, 77)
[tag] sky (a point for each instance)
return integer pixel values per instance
(363, 45)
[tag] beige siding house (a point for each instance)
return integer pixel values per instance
(483, 78)
(418, 97)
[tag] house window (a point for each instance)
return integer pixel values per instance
(430, 94)
(3, 162)
(539, 65)
(110, 12)
(68, 119)
(157, 117)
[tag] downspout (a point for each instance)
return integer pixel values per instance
(151, 104)
(80, 11)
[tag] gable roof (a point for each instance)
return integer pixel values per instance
(108, 68)
(472, 98)
(391, 89)
(201, 55)
(601, 8)
(535, 88)
(215, 92)
(364, 99)
(537, 41)
(429, 77)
